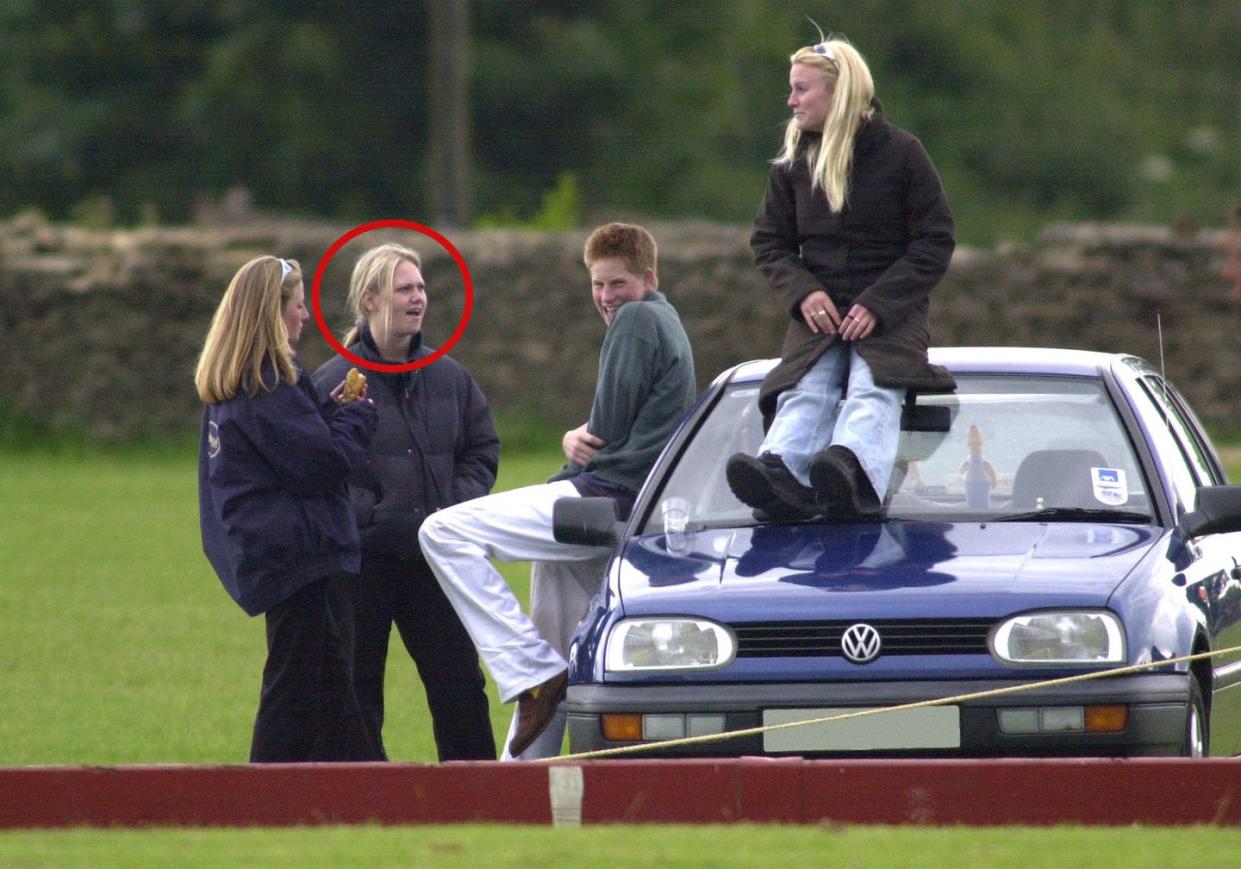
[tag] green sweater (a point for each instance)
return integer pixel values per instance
(646, 385)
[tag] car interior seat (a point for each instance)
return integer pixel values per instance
(1060, 477)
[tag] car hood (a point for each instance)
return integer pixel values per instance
(896, 569)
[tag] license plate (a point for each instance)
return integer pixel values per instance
(928, 727)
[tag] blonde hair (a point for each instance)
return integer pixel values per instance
(248, 331)
(373, 273)
(848, 77)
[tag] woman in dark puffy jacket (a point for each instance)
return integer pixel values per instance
(435, 446)
(853, 234)
(276, 521)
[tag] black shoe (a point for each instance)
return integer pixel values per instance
(841, 486)
(765, 484)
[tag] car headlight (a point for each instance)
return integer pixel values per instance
(1068, 637)
(668, 644)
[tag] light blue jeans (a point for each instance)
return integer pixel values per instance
(810, 417)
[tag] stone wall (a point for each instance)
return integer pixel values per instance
(101, 329)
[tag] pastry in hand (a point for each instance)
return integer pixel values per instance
(355, 382)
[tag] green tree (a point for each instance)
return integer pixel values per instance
(1040, 110)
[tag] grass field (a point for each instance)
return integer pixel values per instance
(740, 845)
(119, 646)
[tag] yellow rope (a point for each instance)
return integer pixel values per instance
(942, 701)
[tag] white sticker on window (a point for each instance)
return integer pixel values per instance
(1109, 485)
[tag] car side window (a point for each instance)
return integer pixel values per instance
(1167, 430)
(1202, 455)
(1192, 450)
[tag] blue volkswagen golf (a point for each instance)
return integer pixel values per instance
(1061, 514)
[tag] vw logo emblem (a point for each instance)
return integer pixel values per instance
(860, 643)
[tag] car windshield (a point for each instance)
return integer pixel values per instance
(1000, 447)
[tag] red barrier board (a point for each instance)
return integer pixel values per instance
(935, 792)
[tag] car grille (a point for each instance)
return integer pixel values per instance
(900, 637)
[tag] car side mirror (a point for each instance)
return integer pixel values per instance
(1218, 512)
(586, 521)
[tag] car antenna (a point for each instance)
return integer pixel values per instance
(1163, 371)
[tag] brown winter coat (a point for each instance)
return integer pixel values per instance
(886, 250)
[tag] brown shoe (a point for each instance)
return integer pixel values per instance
(535, 709)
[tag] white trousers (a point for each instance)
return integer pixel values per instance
(513, 526)
(560, 595)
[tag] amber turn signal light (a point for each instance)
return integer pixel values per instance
(1106, 719)
(621, 728)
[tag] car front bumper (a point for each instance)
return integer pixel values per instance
(1156, 715)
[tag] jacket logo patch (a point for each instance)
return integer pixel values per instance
(213, 440)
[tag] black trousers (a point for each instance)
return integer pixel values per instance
(308, 710)
(406, 593)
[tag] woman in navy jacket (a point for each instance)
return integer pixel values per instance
(276, 521)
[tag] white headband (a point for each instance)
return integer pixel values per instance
(824, 52)
(285, 268)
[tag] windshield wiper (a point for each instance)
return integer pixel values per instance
(879, 519)
(1077, 514)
